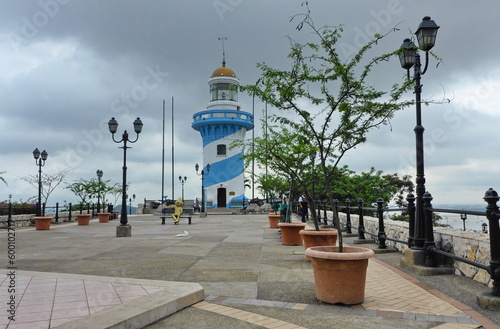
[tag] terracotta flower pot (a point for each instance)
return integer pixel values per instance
(340, 277)
(42, 223)
(83, 219)
(274, 220)
(324, 237)
(103, 217)
(290, 235)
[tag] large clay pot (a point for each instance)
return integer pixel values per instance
(339, 277)
(290, 235)
(83, 219)
(274, 220)
(103, 217)
(42, 223)
(324, 237)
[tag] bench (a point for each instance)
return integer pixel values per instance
(186, 213)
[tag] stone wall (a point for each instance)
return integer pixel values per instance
(19, 220)
(470, 245)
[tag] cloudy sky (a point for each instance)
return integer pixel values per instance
(68, 66)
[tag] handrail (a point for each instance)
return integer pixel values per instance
(492, 213)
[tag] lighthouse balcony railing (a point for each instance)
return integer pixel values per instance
(242, 117)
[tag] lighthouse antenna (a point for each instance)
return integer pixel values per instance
(223, 51)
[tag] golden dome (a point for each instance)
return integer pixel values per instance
(223, 72)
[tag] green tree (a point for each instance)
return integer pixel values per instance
(275, 185)
(283, 153)
(327, 103)
(83, 189)
(49, 182)
(3, 179)
(371, 185)
(116, 191)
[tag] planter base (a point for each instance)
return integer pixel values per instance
(104, 217)
(42, 223)
(290, 233)
(83, 219)
(274, 220)
(340, 277)
(323, 237)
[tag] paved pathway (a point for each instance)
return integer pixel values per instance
(232, 270)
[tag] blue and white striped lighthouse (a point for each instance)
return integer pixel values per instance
(219, 125)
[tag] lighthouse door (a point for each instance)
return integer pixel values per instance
(221, 197)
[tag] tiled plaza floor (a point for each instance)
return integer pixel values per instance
(55, 300)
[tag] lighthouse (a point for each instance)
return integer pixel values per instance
(222, 123)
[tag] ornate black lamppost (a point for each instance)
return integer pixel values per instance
(183, 180)
(463, 217)
(124, 230)
(409, 57)
(40, 162)
(202, 174)
(130, 204)
(99, 176)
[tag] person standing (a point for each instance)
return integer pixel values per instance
(303, 207)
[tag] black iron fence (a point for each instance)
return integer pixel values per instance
(68, 210)
(420, 232)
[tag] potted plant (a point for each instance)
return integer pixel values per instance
(339, 277)
(42, 223)
(273, 220)
(83, 219)
(322, 237)
(103, 217)
(290, 235)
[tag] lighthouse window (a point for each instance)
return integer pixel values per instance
(221, 149)
(223, 91)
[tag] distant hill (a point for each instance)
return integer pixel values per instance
(130, 210)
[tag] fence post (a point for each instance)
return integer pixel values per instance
(411, 215)
(325, 218)
(319, 210)
(336, 212)
(361, 225)
(381, 231)
(429, 245)
(492, 213)
(9, 217)
(56, 217)
(348, 223)
(69, 212)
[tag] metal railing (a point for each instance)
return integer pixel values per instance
(492, 213)
(67, 209)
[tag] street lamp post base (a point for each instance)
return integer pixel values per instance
(123, 231)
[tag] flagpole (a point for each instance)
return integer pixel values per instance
(163, 157)
(253, 147)
(173, 148)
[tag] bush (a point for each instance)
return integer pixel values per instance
(18, 208)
